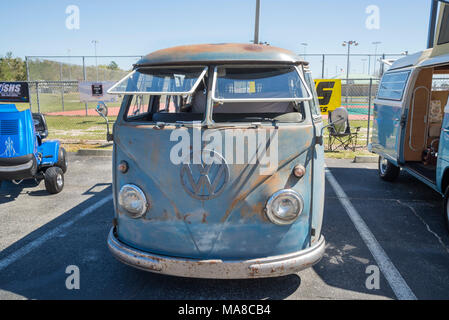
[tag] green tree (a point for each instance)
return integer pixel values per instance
(12, 69)
(113, 66)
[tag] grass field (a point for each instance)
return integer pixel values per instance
(53, 103)
(77, 128)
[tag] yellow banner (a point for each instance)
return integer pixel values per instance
(329, 94)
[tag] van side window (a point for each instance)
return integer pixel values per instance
(393, 85)
(138, 107)
(314, 103)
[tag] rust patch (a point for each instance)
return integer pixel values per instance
(223, 52)
(185, 218)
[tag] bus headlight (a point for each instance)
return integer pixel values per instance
(284, 207)
(133, 201)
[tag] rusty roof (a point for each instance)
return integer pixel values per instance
(227, 52)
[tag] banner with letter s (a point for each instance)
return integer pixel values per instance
(14, 92)
(329, 94)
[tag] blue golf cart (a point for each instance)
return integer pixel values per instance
(23, 152)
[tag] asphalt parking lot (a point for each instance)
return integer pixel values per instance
(398, 227)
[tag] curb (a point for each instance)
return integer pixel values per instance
(94, 152)
(366, 159)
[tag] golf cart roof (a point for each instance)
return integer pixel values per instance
(220, 53)
(7, 108)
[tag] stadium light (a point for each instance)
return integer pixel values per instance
(95, 42)
(348, 44)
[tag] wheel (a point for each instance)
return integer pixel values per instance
(387, 170)
(54, 180)
(62, 160)
(446, 208)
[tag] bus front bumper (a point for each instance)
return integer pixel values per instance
(217, 269)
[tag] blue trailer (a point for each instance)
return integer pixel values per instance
(23, 152)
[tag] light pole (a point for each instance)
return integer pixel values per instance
(70, 66)
(95, 42)
(348, 44)
(304, 44)
(376, 43)
(256, 24)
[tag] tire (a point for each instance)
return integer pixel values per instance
(54, 180)
(62, 160)
(446, 208)
(387, 170)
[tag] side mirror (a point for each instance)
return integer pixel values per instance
(102, 110)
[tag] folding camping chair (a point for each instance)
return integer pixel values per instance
(340, 134)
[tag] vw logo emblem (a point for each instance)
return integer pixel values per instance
(205, 181)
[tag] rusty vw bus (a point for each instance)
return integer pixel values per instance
(218, 163)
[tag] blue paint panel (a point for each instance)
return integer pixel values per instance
(16, 138)
(443, 153)
(231, 226)
(50, 151)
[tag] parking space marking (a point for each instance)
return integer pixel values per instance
(5, 262)
(394, 278)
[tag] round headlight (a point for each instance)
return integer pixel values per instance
(132, 200)
(284, 207)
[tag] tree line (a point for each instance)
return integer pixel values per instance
(14, 69)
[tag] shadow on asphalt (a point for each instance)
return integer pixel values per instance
(40, 274)
(405, 216)
(10, 191)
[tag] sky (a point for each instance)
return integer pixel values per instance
(132, 27)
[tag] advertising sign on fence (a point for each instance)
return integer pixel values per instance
(329, 94)
(14, 92)
(96, 91)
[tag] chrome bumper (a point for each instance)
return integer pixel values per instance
(217, 269)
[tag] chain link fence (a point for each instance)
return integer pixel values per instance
(330, 66)
(60, 98)
(54, 82)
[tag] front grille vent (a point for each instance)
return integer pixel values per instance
(9, 127)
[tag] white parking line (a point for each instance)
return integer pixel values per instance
(5, 262)
(394, 278)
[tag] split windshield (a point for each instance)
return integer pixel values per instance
(243, 83)
(238, 93)
(178, 81)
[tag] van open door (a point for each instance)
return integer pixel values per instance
(388, 115)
